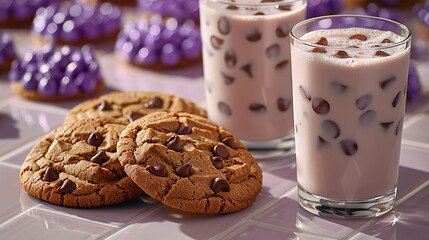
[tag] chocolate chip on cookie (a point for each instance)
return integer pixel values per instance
(184, 130)
(158, 170)
(94, 139)
(104, 106)
(207, 171)
(154, 102)
(220, 185)
(50, 175)
(76, 165)
(68, 186)
(183, 170)
(99, 158)
(217, 162)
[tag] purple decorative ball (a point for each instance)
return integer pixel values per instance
(179, 9)
(67, 87)
(71, 23)
(66, 71)
(20, 10)
(160, 41)
(170, 55)
(47, 86)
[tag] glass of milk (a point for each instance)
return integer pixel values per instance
(246, 58)
(349, 92)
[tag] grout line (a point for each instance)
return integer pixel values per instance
(397, 203)
(21, 148)
(413, 119)
(412, 143)
(133, 220)
(17, 216)
(10, 165)
(251, 215)
(57, 213)
(38, 106)
(414, 147)
(412, 193)
(286, 229)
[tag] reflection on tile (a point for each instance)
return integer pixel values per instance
(418, 204)
(409, 221)
(167, 223)
(252, 230)
(278, 181)
(397, 226)
(10, 190)
(417, 132)
(362, 236)
(116, 215)
(38, 224)
(17, 158)
(19, 125)
(415, 158)
(288, 214)
(279, 175)
(270, 164)
(409, 179)
(8, 124)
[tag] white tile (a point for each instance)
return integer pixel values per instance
(11, 191)
(167, 223)
(409, 179)
(17, 156)
(400, 225)
(278, 181)
(252, 230)
(20, 125)
(415, 158)
(416, 131)
(116, 215)
(37, 224)
(288, 214)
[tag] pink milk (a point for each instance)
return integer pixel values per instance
(349, 112)
(247, 65)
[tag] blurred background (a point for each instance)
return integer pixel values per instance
(158, 37)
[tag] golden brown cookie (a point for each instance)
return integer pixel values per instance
(189, 163)
(77, 165)
(132, 105)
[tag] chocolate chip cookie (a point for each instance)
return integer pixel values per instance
(76, 165)
(132, 105)
(189, 163)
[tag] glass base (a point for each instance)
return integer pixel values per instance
(325, 207)
(279, 148)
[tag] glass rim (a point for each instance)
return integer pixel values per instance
(406, 39)
(266, 4)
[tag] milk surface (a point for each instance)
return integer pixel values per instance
(247, 67)
(349, 112)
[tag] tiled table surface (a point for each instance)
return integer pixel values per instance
(275, 214)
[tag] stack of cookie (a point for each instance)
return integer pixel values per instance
(112, 148)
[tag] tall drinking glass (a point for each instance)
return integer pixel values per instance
(246, 57)
(349, 90)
